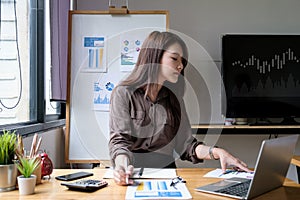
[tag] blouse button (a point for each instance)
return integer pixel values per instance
(147, 144)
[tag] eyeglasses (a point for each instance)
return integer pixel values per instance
(176, 180)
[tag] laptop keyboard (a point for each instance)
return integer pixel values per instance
(237, 190)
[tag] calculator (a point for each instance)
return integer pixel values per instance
(86, 185)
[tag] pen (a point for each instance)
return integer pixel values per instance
(127, 177)
(227, 172)
(141, 171)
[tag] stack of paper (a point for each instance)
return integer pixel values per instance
(217, 173)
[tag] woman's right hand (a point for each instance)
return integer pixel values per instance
(226, 159)
(123, 171)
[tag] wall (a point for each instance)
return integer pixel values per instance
(53, 143)
(204, 21)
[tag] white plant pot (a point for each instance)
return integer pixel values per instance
(26, 185)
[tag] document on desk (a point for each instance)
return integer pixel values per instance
(157, 189)
(217, 173)
(147, 173)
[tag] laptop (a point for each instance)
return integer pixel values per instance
(271, 167)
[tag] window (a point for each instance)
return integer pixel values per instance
(14, 65)
(25, 63)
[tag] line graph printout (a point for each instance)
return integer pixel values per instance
(102, 89)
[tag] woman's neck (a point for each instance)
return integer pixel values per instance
(153, 93)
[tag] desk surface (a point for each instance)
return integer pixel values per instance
(220, 126)
(51, 189)
(296, 160)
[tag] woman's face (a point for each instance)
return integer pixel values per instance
(171, 64)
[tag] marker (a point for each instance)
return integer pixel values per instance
(141, 171)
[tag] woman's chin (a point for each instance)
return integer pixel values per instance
(173, 80)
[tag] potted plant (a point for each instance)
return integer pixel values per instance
(8, 169)
(27, 180)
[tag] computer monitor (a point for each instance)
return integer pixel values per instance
(261, 76)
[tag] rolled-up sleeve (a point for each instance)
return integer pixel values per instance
(185, 142)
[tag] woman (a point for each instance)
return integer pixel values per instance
(148, 120)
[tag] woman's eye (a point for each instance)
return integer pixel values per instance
(174, 58)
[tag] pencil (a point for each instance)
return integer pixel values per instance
(227, 172)
(37, 146)
(33, 144)
(126, 166)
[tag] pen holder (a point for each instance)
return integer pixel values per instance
(38, 173)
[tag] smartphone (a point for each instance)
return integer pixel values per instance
(73, 176)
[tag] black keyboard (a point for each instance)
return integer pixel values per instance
(237, 190)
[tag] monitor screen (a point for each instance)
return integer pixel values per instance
(261, 75)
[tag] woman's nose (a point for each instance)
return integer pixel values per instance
(180, 66)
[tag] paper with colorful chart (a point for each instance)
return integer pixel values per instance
(157, 189)
(131, 44)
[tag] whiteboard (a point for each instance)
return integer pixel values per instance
(95, 64)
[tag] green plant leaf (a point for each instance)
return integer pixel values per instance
(7, 147)
(27, 166)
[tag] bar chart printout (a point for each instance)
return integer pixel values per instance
(157, 189)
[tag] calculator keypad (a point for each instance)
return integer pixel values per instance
(86, 184)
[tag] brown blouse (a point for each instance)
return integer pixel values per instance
(141, 127)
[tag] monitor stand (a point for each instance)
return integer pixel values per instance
(262, 122)
(289, 121)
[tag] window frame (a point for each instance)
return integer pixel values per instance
(43, 122)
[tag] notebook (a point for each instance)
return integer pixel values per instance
(270, 170)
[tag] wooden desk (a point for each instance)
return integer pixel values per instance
(51, 189)
(296, 161)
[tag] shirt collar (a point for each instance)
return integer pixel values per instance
(163, 93)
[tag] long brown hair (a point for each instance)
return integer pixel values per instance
(145, 72)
